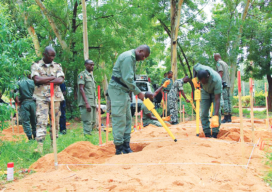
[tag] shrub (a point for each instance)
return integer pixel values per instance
(259, 100)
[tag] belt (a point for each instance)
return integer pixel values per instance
(28, 100)
(117, 80)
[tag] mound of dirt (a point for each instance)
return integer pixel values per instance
(13, 135)
(82, 152)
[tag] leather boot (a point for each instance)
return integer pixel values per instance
(119, 149)
(229, 119)
(214, 135)
(225, 120)
(208, 135)
(126, 148)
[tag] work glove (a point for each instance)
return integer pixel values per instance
(166, 118)
(196, 83)
(214, 121)
(166, 83)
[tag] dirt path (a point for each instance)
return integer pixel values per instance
(159, 164)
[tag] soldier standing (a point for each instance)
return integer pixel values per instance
(223, 70)
(210, 93)
(43, 73)
(27, 105)
(121, 83)
(173, 96)
(87, 97)
(62, 121)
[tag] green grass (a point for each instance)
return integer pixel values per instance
(268, 176)
(22, 152)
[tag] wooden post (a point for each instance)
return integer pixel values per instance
(11, 116)
(251, 111)
(183, 115)
(99, 116)
(179, 107)
(142, 125)
(266, 102)
(53, 125)
(85, 32)
(240, 114)
(107, 127)
(136, 111)
(163, 104)
(17, 117)
(166, 105)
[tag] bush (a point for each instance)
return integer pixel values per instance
(259, 100)
(6, 110)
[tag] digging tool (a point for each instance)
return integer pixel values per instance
(251, 111)
(267, 117)
(99, 116)
(162, 104)
(17, 117)
(193, 105)
(142, 125)
(53, 125)
(211, 112)
(197, 98)
(183, 114)
(150, 106)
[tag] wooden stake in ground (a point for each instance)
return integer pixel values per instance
(136, 111)
(53, 125)
(85, 32)
(17, 117)
(240, 114)
(266, 102)
(166, 105)
(183, 114)
(107, 127)
(99, 116)
(179, 107)
(142, 125)
(11, 116)
(251, 111)
(163, 104)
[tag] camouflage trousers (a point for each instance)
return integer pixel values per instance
(227, 101)
(173, 107)
(43, 108)
(153, 122)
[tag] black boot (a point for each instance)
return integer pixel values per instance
(119, 149)
(208, 135)
(34, 136)
(29, 137)
(214, 135)
(225, 120)
(126, 148)
(229, 119)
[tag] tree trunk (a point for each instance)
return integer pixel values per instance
(31, 31)
(234, 57)
(85, 31)
(52, 23)
(105, 79)
(175, 18)
(269, 79)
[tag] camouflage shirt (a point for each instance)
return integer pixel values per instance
(42, 92)
(177, 86)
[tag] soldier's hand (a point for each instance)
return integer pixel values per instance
(88, 108)
(141, 96)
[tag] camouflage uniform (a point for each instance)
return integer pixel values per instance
(42, 96)
(172, 100)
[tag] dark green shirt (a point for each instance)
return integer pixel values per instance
(85, 78)
(26, 89)
(214, 85)
(124, 69)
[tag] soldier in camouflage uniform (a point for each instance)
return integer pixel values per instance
(43, 73)
(223, 69)
(173, 96)
(87, 97)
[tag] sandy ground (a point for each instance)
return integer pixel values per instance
(13, 133)
(158, 164)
